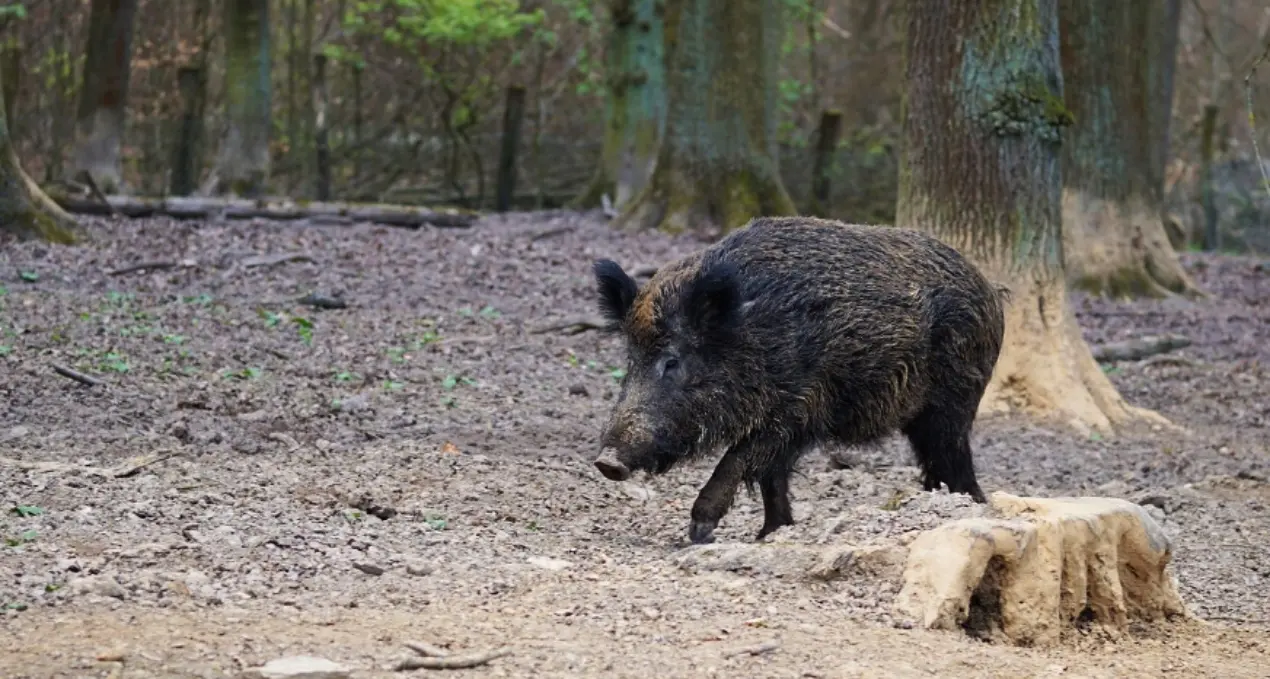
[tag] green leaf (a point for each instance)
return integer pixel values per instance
(28, 510)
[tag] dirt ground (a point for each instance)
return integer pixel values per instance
(417, 467)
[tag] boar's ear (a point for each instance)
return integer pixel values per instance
(617, 290)
(714, 299)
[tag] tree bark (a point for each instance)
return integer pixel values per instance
(103, 95)
(716, 165)
(635, 108)
(1117, 70)
(242, 167)
(985, 74)
(24, 209)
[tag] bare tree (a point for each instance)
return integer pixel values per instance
(1115, 58)
(716, 167)
(635, 109)
(985, 74)
(242, 167)
(103, 95)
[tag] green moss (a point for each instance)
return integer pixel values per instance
(1028, 106)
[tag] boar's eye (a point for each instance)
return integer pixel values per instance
(669, 366)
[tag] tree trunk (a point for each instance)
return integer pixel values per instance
(985, 73)
(1114, 56)
(716, 165)
(635, 109)
(242, 166)
(24, 209)
(103, 95)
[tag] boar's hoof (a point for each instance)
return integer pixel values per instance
(611, 467)
(701, 532)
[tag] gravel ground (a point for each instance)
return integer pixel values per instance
(417, 466)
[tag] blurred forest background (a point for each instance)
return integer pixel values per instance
(406, 99)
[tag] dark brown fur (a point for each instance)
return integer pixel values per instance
(793, 332)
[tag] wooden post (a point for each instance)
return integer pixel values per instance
(512, 116)
(189, 131)
(11, 77)
(826, 145)
(320, 139)
(1212, 235)
(357, 121)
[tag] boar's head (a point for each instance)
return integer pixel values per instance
(684, 366)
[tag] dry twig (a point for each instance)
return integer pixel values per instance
(452, 662)
(77, 375)
(572, 326)
(152, 266)
(426, 650)
(757, 649)
(270, 260)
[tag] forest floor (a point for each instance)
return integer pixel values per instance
(417, 467)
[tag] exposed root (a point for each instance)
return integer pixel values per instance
(1121, 251)
(1046, 369)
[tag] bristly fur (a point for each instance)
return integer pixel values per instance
(797, 331)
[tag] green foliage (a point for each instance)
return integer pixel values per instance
(12, 10)
(456, 23)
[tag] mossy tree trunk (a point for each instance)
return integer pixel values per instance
(103, 95)
(716, 165)
(985, 74)
(24, 209)
(635, 108)
(242, 166)
(1117, 72)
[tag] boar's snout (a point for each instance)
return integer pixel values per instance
(612, 468)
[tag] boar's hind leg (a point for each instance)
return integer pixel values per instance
(941, 440)
(776, 509)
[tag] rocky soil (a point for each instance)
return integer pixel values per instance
(255, 477)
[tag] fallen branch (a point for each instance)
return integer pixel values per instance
(120, 471)
(152, 266)
(757, 649)
(572, 327)
(643, 272)
(320, 301)
(196, 207)
(1140, 348)
(136, 464)
(452, 662)
(270, 260)
(77, 375)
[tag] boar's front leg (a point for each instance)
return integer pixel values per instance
(715, 498)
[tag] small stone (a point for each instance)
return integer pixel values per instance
(549, 563)
(578, 390)
(101, 585)
(368, 568)
(418, 569)
(637, 492)
(651, 613)
(297, 667)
